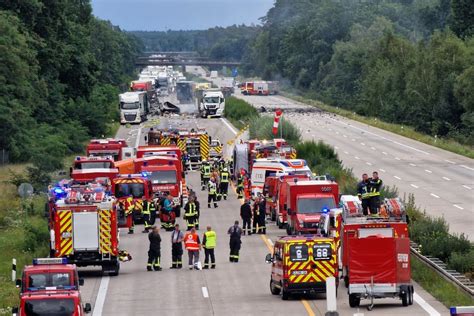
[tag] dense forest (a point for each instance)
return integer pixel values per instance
(60, 72)
(404, 61)
(220, 43)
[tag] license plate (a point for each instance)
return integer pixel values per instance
(299, 272)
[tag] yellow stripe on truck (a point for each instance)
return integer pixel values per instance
(105, 244)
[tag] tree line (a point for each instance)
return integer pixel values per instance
(60, 73)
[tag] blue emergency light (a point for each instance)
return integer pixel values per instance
(325, 209)
(145, 174)
(45, 261)
(461, 310)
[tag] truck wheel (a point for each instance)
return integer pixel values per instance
(410, 296)
(288, 230)
(405, 298)
(274, 289)
(272, 211)
(279, 224)
(285, 295)
(346, 281)
(354, 300)
(116, 269)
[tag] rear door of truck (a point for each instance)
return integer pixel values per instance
(86, 231)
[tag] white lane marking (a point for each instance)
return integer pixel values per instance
(469, 188)
(362, 144)
(396, 158)
(383, 170)
(229, 126)
(205, 293)
(427, 307)
(457, 206)
(373, 148)
(137, 141)
(466, 167)
(383, 152)
(446, 178)
(337, 133)
(356, 157)
(345, 136)
(415, 186)
(346, 152)
(382, 137)
(336, 147)
(452, 162)
(412, 164)
(353, 140)
(434, 195)
(429, 171)
(270, 241)
(100, 300)
(397, 177)
(368, 163)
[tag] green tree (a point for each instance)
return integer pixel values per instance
(462, 21)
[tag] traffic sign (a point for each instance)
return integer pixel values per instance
(235, 72)
(25, 190)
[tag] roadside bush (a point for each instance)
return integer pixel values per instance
(36, 235)
(239, 112)
(462, 262)
(262, 127)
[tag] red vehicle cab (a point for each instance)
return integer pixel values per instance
(306, 201)
(43, 303)
(146, 151)
(88, 169)
(116, 148)
(49, 274)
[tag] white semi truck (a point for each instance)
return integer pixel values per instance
(134, 107)
(211, 103)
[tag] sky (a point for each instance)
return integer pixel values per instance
(162, 15)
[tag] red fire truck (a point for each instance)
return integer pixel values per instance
(88, 169)
(147, 151)
(52, 302)
(376, 255)
(306, 201)
(116, 148)
(84, 228)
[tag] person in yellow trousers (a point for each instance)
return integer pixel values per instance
(209, 240)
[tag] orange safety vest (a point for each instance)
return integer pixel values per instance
(191, 241)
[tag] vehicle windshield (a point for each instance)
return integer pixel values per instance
(211, 100)
(50, 307)
(137, 190)
(314, 205)
(163, 177)
(42, 280)
(129, 106)
(94, 165)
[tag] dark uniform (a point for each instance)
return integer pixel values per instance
(190, 214)
(235, 232)
(255, 218)
(205, 175)
(246, 215)
(212, 194)
(224, 184)
(240, 186)
(364, 194)
(154, 253)
(262, 229)
(375, 187)
(176, 249)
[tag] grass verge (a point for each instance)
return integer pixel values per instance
(406, 131)
(239, 112)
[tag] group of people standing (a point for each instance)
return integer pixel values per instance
(216, 179)
(368, 191)
(254, 217)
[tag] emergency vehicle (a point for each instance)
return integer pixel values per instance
(255, 88)
(301, 264)
(88, 169)
(52, 302)
(133, 192)
(49, 274)
(306, 201)
(148, 151)
(376, 254)
(84, 228)
(116, 148)
(262, 168)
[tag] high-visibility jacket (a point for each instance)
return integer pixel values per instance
(224, 177)
(149, 208)
(209, 239)
(212, 188)
(363, 190)
(206, 171)
(191, 241)
(240, 181)
(375, 187)
(191, 210)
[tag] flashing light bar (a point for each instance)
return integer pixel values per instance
(52, 288)
(462, 311)
(45, 261)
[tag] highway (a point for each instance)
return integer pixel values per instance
(233, 288)
(442, 182)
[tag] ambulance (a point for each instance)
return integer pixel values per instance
(301, 265)
(263, 168)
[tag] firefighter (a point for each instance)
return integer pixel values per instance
(205, 174)
(154, 253)
(246, 215)
(224, 184)
(177, 237)
(190, 213)
(153, 209)
(209, 244)
(375, 185)
(198, 211)
(193, 246)
(129, 207)
(221, 163)
(235, 232)
(262, 215)
(364, 194)
(185, 160)
(212, 193)
(147, 216)
(167, 213)
(240, 186)
(255, 215)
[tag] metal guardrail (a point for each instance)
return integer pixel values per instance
(458, 279)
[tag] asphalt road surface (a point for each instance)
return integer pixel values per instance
(442, 182)
(232, 288)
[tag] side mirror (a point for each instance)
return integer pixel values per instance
(18, 283)
(14, 310)
(87, 308)
(269, 258)
(81, 281)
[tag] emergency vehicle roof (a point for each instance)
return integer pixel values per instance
(41, 294)
(304, 238)
(49, 267)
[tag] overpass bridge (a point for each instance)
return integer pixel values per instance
(173, 59)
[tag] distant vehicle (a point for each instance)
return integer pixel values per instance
(110, 147)
(184, 91)
(144, 85)
(134, 107)
(255, 88)
(162, 84)
(211, 103)
(214, 74)
(52, 303)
